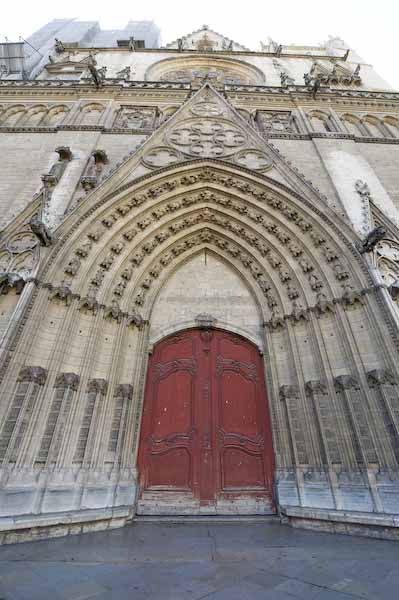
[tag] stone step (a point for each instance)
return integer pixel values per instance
(212, 519)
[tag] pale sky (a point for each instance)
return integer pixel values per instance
(368, 26)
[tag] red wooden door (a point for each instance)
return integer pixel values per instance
(205, 444)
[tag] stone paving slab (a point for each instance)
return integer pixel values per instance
(237, 561)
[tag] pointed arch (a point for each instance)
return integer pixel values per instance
(283, 219)
(181, 323)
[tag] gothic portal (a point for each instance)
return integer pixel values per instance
(199, 276)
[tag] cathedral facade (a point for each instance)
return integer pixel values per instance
(199, 272)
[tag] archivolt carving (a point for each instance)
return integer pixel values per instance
(246, 233)
(256, 197)
(206, 215)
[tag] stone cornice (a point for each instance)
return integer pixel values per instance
(298, 91)
(295, 91)
(146, 132)
(208, 53)
(86, 86)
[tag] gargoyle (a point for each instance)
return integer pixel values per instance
(372, 239)
(40, 230)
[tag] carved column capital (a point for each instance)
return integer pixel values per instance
(378, 377)
(345, 382)
(99, 386)
(123, 390)
(67, 380)
(315, 387)
(288, 391)
(34, 374)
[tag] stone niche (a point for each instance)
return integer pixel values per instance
(270, 121)
(136, 117)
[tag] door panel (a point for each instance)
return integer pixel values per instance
(205, 442)
(173, 404)
(237, 404)
(242, 470)
(170, 469)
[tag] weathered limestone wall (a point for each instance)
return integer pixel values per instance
(206, 286)
(27, 156)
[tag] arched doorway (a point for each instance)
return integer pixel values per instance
(205, 444)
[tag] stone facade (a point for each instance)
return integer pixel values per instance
(142, 187)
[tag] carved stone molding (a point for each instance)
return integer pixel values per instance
(378, 377)
(288, 391)
(345, 382)
(99, 386)
(123, 390)
(67, 380)
(34, 374)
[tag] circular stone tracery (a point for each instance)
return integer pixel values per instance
(207, 138)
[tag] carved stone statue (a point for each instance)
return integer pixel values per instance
(120, 288)
(62, 292)
(135, 320)
(89, 302)
(40, 230)
(372, 239)
(59, 46)
(97, 75)
(124, 73)
(11, 280)
(394, 290)
(73, 266)
(113, 311)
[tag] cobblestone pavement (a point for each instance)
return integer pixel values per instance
(202, 561)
